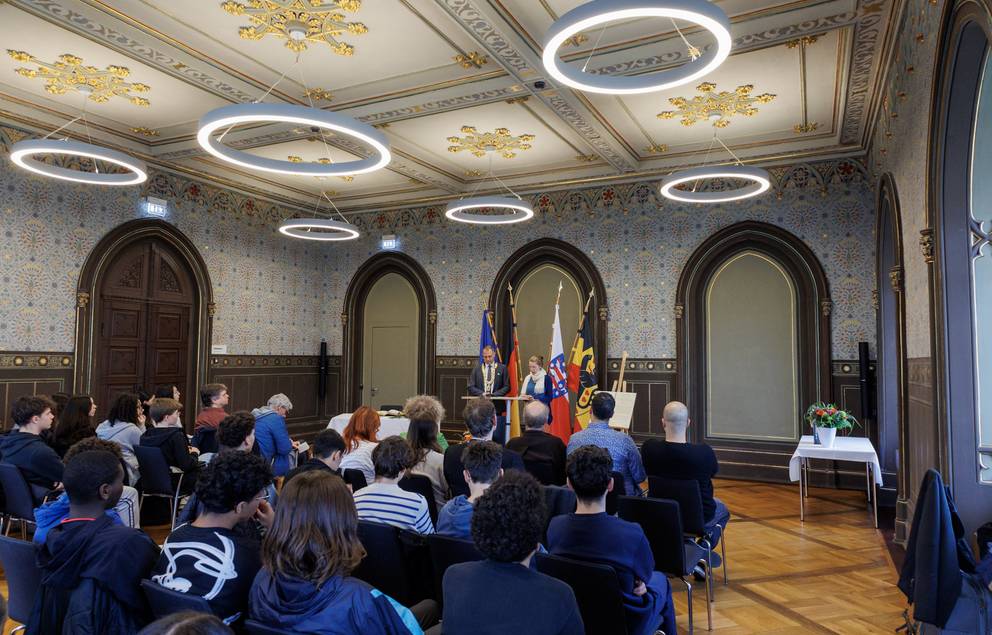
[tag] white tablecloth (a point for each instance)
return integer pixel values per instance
(391, 426)
(844, 449)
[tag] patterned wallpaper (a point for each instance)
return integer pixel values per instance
(277, 296)
(899, 146)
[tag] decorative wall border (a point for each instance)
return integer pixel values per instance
(271, 361)
(659, 364)
(36, 360)
(448, 361)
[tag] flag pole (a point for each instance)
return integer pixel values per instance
(492, 330)
(551, 345)
(513, 318)
(581, 317)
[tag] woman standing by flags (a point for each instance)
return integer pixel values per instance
(537, 385)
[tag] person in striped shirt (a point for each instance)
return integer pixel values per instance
(383, 501)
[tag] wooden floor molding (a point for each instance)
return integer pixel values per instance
(831, 574)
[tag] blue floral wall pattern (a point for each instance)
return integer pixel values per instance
(279, 296)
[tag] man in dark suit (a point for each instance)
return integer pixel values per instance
(491, 379)
(480, 418)
(543, 453)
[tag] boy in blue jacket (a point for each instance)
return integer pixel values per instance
(482, 462)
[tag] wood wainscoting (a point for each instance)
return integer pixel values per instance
(252, 379)
(32, 374)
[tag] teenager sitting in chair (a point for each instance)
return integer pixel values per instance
(328, 450)
(167, 436)
(591, 535)
(24, 447)
(482, 462)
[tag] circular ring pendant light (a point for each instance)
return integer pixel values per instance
(320, 229)
(230, 116)
(600, 12)
(759, 179)
(23, 153)
(520, 210)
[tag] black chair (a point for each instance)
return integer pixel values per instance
(20, 502)
(558, 501)
(355, 478)
(165, 601)
(541, 470)
(396, 562)
(619, 489)
(686, 493)
(205, 440)
(446, 551)
(156, 479)
(673, 555)
(23, 578)
(254, 627)
(420, 484)
(597, 592)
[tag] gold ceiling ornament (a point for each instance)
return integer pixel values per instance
(481, 143)
(803, 128)
(576, 40)
(719, 106)
(473, 59)
(656, 148)
(805, 40)
(68, 73)
(145, 132)
(301, 22)
(324, 161)
(586, 158)
(318, 94)
(473, 172)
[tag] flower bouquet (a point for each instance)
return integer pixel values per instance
(826, 419)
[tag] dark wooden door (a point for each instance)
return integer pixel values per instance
(147, 297)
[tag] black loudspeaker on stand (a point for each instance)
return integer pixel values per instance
(866, 382)
(322, 370)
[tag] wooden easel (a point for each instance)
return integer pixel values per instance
(619, 384)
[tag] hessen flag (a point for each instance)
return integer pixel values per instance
(561, 421)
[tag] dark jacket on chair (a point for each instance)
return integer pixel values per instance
(38, 462)
(91, 575)
(537, 446)
(174, 446)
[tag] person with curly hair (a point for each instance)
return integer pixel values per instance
(425, 413)
(384, 501)
(591, 535)
(50, 514)
(206, 557)
(506, 527)
(187, 623)
(305, 585)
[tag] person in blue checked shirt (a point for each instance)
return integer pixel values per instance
(622, 449)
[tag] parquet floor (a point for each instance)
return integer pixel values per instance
(831, 574)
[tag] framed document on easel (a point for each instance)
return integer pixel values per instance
(624, 411)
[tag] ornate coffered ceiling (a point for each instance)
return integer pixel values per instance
(426, 71)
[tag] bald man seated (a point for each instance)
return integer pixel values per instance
(675, 457)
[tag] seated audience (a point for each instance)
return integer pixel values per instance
(425, 414)
(213, 398)
(235, 432)
(360, 439)
(480, 418)
(482, 467)
(501, 594)
(124, 426)
(271, 434)
(207, 557)
(167, 436)
(675, 457)
(590, 534)
(384, 501)
(622, 449)
(91, 568)
(327, 449)
(304, 585)
(23, 446)
(187, 623)
(124, 513)
(536, 446)
(61, 400)
(75, 424)
(169, 391)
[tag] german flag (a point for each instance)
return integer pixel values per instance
(582, 372)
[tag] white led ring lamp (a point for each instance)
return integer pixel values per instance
(320, 229)
(759, 179)
(23, 153)
(238, 114)
(460, 210)
(600, 12)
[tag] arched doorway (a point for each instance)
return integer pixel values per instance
(960, 213)
(143, 314)
(891, 342)
(753, 344)
(390, 301)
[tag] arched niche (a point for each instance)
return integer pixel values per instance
(184, 262)
(352, 322)
(892, 434)
(811, 320)
(544, 253)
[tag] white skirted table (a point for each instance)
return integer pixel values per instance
(389, 426)
(857, 449)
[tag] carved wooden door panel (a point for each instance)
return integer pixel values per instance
(147, 297)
